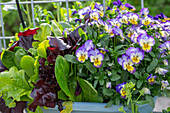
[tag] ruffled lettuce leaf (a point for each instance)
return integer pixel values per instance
(13, 84)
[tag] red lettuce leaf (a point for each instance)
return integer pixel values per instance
(18, 109)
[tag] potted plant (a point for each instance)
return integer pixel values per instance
(112, 58)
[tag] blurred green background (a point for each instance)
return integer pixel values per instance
(12, 21)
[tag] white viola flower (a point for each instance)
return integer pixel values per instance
(146, 21)
(161, 71)
(94, 15)
(109, 85)
(164, 84)
(146, 90)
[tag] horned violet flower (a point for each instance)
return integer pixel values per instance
(151, 79)
(96, 57)
(146, 42)
(119, 89)
(82, 52)
(135, 54)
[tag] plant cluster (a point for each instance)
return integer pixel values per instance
(113, 57)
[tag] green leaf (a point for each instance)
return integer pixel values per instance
(62, 70)
(27, 64)
(108, 92)
(150, 100)
(43, 32)
(56, 29)
(90, 67)
(33, 51)
(165, 57)
(81, 33)
(65, 25)
(95, 35)
(38, 110)
(117, 101)
(141, 102)
(89, 93)
(152, 65)
(89, 30)
(104, 40)
(7, 58)
(121, 52)
(115, 77)
(62, 95)
(35, 45)
(152, 54)
(13, 84)
(109, 104)
(119, 47)
(139, 83)
(18, 55)
(168, 109)
(42, 48)
(71, 58)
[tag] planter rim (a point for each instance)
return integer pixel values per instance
(98, 107)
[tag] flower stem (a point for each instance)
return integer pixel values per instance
(132, 105)
(28, 14)
(58, 12)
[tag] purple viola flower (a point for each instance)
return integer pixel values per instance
(101, 22)
(117, 3)
(165, 61)
(96, 57)
(124, 58)
(119, 89)
(136, 34)
(144, 11)
(82, 54)
(84, 11)
(108, 28)
(109, 8)
(163, 17)
(65, 31)
(135, 54)
(94, 15)
(133, 18)
(114, 22)
(129, 6)
(131, 49)
(165, 47)
(117, 31)
(89, 45)
(146, 21)
(103, 50)
(74, 12)
(146, 42)
(124, 19)
(128, 65)
(151, 79)
(78, 20)
(98, 6)
(109, 85)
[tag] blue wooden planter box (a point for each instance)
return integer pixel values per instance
(87, 107)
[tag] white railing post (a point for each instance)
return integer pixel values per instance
(3, 31)
(32, 8)
(142, 3)
(104, 5)
(67, 11)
